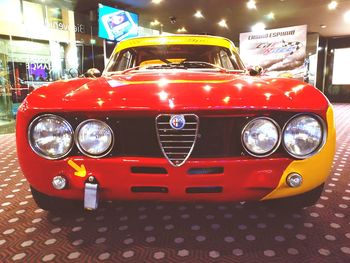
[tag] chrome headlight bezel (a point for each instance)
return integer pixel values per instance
(82, 150)
(268, 153)
(34, 146)
(320, 144)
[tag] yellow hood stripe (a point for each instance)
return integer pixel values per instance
(175, 40)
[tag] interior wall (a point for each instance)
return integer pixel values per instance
(339, 92)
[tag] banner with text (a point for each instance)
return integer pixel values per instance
(281, 52)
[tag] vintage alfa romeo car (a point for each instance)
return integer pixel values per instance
(175, 118)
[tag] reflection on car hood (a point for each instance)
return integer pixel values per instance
(176, 91)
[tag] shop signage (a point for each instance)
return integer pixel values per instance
(281, 52)
(78, 28)
(37, 66)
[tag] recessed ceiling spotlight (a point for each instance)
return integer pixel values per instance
(270, 16)
(332, 5)
(323, 26)
(347, 16)
(258, 27)
(182, 30)
(223, 23)
(156, 1)
(251, 4)
(198, 14)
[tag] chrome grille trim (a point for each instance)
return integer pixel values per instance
(177, 145)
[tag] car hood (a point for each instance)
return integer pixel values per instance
(177, 91)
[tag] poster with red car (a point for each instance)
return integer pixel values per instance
(280, 52)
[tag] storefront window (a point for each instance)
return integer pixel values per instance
(55, 15)
(6, 115)
(33, 14)
(25, 65)
(10, 11)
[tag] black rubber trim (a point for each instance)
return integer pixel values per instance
(206, 170)
(148, 170)
(149, 189)
(204, 190)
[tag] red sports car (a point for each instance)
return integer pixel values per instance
(175, 118)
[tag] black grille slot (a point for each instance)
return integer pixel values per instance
(204, 190)
(148, 170)
(137, 137)
(207, 170)
(149, 189)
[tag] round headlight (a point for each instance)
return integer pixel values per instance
(94, 138)
(50, 136)
(303, 136)
(261, 137)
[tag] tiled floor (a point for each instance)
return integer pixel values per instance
(7, 126)
(177, 232)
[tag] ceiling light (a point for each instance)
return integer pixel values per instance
(155, 22)
(323, 26)
(199, 14)
(270, 15)
(223, 23)
(258, 27)
(156, 1)
(332, 5)
(182, 30)
(251, 4)
(347, 16)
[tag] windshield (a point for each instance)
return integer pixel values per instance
(175, 56)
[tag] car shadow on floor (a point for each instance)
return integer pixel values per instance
(196, 226)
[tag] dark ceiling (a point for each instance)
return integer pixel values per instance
(313, 13)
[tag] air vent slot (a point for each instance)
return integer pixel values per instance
(148, 170)
(177, 143)
(204, 190)
(207, 170)
(149, 189)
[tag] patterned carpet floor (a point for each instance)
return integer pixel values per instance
(177, 232)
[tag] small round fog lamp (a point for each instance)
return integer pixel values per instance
(59, 182)
(294, 180)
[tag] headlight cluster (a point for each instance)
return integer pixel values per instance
(52, 137)
(302, 136)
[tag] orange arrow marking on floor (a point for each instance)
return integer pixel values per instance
(80, 170)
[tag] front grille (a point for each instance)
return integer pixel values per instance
(177, 144)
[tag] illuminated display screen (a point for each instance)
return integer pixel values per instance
(115, 24)
(341, 74)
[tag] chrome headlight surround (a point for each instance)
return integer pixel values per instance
(269, 151)
(83, 149)
(321, 142)
(35, 146)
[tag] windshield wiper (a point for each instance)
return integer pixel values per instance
(167, 66)
(186, 65)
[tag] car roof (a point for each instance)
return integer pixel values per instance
(175, 40)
